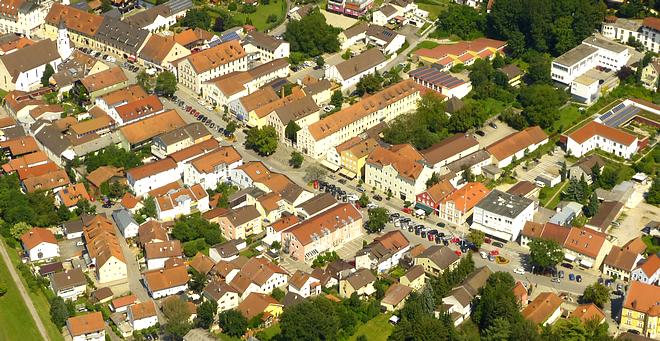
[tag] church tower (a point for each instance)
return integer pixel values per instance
(63, 42)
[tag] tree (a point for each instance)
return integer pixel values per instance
(149, 209)
(291, 131)
(378, 217)
(233, 323)
(206, 314)
(467, 174)
(540, 104)
(231, 127)
(369, 84)
(364, 200)
(271, 18)
(296, 159)
(539, 68)
(198, 281)
(563, 172)
(3, 289)
(337, 98)
(498, 61)
(597, 294)
(545, 253)
(19, 229)
(106, 6)
(320, 61)
(476, 237)
(84, 207)
(59, 312)
(434, 179)
(576, 329)
(177, 314)
(310, 320)
(592, 207)
(608, 178)
(463, 21)
(197, 18)
(145, 80)
(311, 35)
(653, 195)
(166, 83)
(314, 172)
(48, 72)
(262, 140)
(225, 190)
(277, 294)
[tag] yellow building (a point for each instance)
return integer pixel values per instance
(355, 157)
(641, 310)
(651, 74)
(437, 259)
(414, 278)
(256, 303)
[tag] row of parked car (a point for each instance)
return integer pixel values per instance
(97, 54)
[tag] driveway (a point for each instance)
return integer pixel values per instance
(493, 135)
(548, 164)
(632, 221)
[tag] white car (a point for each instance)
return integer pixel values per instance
(483, 254)
(371, 205)
(519, 271)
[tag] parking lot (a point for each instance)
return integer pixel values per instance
(493, 135)
(548, 164)
(70, 249)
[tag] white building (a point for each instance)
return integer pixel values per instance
(153, 175)
(647, 271)
(156, 254)
(125, 222)
(22, 70)
(264, 47)
(586, 89)
(69, 284)
(40, 244)
(200, 67)
(596, 135)
(594, 51)
(516, 146)
(502, 215)
(384, 253)
(23, 16)
(223, 294)
(142, 315)
(182, 201)
(304, 284)
(166, 282)
(160, 17)
(388, 41)
(210, 169)
(88, 327)
(349, 72)
(646, 32)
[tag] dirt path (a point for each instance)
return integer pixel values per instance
(24, 294)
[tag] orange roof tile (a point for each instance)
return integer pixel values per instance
(463, 47)
(403, 158)
(20, 145)
(36, 236)
(216, 56)
(70, 195)
(224, 155)
(48, 167)
(593, 128)
(585, 241)
(586, 312)
(140, 108)
(85, 324)
(651, 265)
(467, 196)
(150, 169)
(642, 297)
(26, 161)
(516, 142)
(157, 280)
(143, 310)
(123, 301)
(104, 79)
(128, 94)
(542, 307)
(332, 220)
(195, 150)
(46, 181)
(74, 19)
(149, 127)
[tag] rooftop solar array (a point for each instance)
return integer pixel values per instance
(619, 115)
(436, 77)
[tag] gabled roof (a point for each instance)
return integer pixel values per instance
(395, 294)
(257, 271)
(101, 240)
(216, 289)
(449, 147)
(151, 169)
(585, 241)
(586, 312)
(30, 57)
(143, 310)
(216, 56)
(104, 79)
(195, 150)
(225, 155)
(542, 307)
(651, 265)
(169, 277)
(643, 297)
(466, 197)
(326, 222)
(407, 161)
(150, 127)
(440, 190)
(202, 263)
(361, 278)
(152, 230)
(594, 128)
(166, 249)
(74, 19)
(255, 304)
(36, 236)
(360, 63)
(441, 256)
(516, 142)
(47, 181)
(85, 324)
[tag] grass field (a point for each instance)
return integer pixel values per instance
(550, 196)
(567, 118)
(258, 18)
(434, 7)
(41, 304)
(269, 333)
(376, 329)
(426, 44)
(15, 318)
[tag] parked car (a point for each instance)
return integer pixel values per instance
(567, 265)
(571, 276)
(555, 280)
(560, 274)
(519, 271)
(578, 278)
(493, 125)
(440, 225)
(498, 244)
(483, 254)
(378, 197)
(480, 133)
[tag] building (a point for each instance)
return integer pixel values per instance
(258, 275)
(449, 150)
(435, 78)
(52, 181)
(121, 304)
(237, 223)
(157, 253)
(125, 222)
(40, 244)
(141, 132)
(161, 17)
(640, 309)
(513, 73)
(256, 304)
(588, 312)
(388, 41)
(142, 315)
(353, 35)
(349, 72)
(145, 178)
(327, 231)
(353, 156)
(544, 310)
(303, 112)
(502, 215)
(597, 135)
(102, 245)
(224, 58)
(625, 30)
(304, 284)
(223, 294)
(104, 82)
(264, 47)
(516, 146)
(88, 327)
(463, 52)
(585, 166)
(361, 282)
(69, 284)
(593, 52)
(399, 170)
(651, 74)
(136, 110)
(384, 253)
(458, 205)
(160, 51)
(165, 282)
(437, 259)
(180, 138)
(23, 16)
(183, 201)
(22, 70)
(319, 138)
(648, 270)
(395, 297)
(458, 303)
(351, 8)
(414, 278)
(256, 174)
(227, 251)
(621, 261)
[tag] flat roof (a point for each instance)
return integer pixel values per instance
(575, 55)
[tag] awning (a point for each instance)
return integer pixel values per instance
(586, 263)
(347, 174)
(569, 256)
(426, 209)
(329, 165)
(491, 232)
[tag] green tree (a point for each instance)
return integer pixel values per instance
(233, 323)
(310, 320)
(59, 312)
(369, 84)
(231, 127)
(166, 83)
(597, 294)
(198, 281)
(378, 217)
(149, 209)
(225, 190)
(539, 68)
(337, 98)
(177, 314)
(592, 207)
(45, 77)
(462, 21)
(277, 294)
(145, 80)
(296, 159)
(653, 195)
(541, 103)
(262, 140)
(608, 177)
(364, 200)
(19, 229)
(206, 314)
(197, 18)
(476, 237)
(3, 289)
(545, 253)
(320, 61)
(311, 35)
(291, 131)
(84, 207)
(106, 6)
(563, 172)
(314, 172)
(433, 180)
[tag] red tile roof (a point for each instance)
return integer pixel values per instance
(593, 128)
(516, 142)
(36, 236)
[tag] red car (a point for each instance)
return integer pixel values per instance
(430, 237)
(407, 210)
(458, 253)
(188, 108)
(455, 240)
(487, 240)
(494, 253)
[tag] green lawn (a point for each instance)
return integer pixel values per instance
(434, 7)
(40, 303)
(15, 319)
(651, 246)
(259, 18)
(376, 329)
(426, 44)
(269, 333)
(549, 197)
(568, 116)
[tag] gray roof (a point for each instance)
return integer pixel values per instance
(361, 278)
(68, 279)
(74, 226)
(194, 131)
(575, 55)
(148, 16)
(388, 10)
(586, 163)
(297, 109)
(315, 88)
(317, 204)
(453, 105)
(291, 299)
(605, 44)
(381, 33)
(226, 250)
(30, 57)
(263, 40)
(627, 24)
(51, 138)
(121, 35)
(355, 30)
(504, 204)
(442, 256)
(360, 63)
(123, 219)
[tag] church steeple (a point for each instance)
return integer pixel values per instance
(63, 42)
